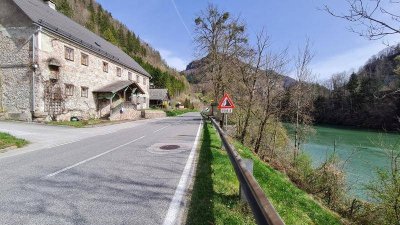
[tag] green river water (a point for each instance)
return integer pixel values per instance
(361, 148)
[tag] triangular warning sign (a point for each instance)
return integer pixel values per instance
(226, 103)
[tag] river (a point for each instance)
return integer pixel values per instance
(361, 149)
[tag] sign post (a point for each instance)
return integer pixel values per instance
(226, 106)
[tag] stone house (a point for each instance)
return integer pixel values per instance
(159, 98)
(54, 68)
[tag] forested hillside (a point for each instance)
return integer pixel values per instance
(196, 75)
(91, 15)
(369, 98)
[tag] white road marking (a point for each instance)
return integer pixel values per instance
(162, 128)
(90, 159)
(174, 214)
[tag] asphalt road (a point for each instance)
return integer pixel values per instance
(116, 177)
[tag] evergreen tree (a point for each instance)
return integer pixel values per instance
(109, 36)
(65, 8)
(353, 84)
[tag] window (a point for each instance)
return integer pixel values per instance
(84, 59)
(137, 79)
(54, 72)
(69, 89)
(119, 71)
(129, 76)
(144, 80)
(105, 67)
(84, 92)
(69, 53)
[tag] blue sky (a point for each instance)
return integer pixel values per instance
(162, 23)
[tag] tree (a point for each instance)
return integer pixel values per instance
(353, 86)
(65, 8)
(219, 37)
(338, 83)
(109, 36)
(270, 93)
(250, 74)
(302, 96)
(376, 17)
(386, 190)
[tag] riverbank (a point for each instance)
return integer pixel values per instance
(215, 198)
(356, 128)
(363, 152)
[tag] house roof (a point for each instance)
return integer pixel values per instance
(117, 86)
(55, 22)
(159, 94)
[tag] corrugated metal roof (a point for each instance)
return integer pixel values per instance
(158, 94)
(118, 85)
(42, 15)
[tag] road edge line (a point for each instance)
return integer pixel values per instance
(175, 208)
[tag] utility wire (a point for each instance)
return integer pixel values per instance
(181, 19)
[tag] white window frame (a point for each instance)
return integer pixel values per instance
(84, 59)
(69, 89)
(69, 53)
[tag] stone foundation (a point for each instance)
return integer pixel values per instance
(151, 114)
(23, 116)
(128, 114)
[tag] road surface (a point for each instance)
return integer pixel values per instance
(115, 175)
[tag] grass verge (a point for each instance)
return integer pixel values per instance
(7, 140)
(215, 197)
(293, 205)
(177, 112)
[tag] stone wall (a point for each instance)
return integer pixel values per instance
(73, 72)
(20, 41)
(16, 44)
(127, 114)
(152, 114)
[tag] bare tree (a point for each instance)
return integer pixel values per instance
(376, 18)
(302, 96)
(386, 190)
(269, 92)
(250, 74)
(219, 37)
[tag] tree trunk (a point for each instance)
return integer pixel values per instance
(260, 133)
(246, 121)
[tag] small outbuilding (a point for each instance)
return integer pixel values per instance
(159, 98)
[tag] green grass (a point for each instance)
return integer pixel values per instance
(215, 197)
(177, 112)
(79, 124)
(293, 205)
(7, 140)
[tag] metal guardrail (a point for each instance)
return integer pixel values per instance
(263, 211)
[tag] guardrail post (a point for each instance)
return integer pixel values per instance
(249, 167)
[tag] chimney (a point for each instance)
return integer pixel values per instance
(50, 3)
